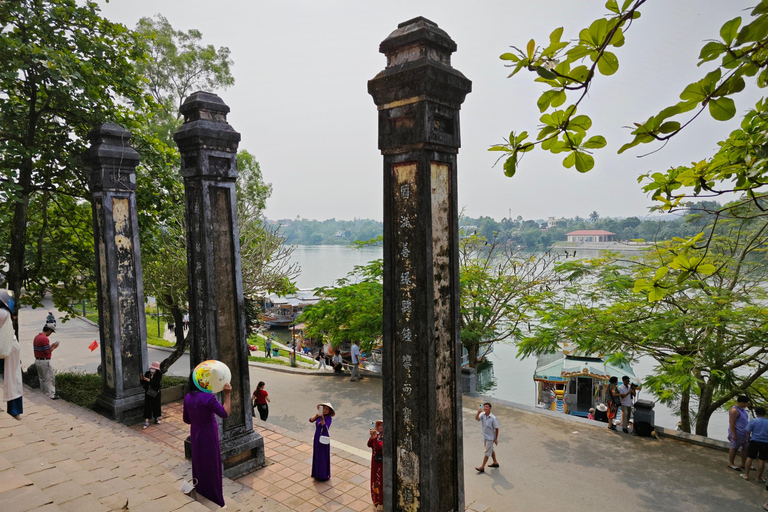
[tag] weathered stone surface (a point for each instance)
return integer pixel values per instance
(122, 324)
(208, 146)
(418, 96)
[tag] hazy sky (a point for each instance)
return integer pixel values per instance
(300, 97)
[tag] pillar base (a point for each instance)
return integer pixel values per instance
(240, 455)
(128, 409)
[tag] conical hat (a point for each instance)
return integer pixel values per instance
(210, 376)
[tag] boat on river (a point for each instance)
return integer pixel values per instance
(571, 382)
(282, 311)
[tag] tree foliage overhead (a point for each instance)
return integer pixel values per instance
(63, 70)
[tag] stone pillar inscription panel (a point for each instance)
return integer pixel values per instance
(418, 96)
(122, 324)
(208, 146)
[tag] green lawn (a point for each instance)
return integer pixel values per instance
(153, 337)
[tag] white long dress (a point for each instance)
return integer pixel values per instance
(12, 383)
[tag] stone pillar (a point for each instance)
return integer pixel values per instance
(122, 324)
(418, 96)
(208, 146)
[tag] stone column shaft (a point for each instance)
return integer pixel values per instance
(122, 323)
(208, 146)
(418, 96)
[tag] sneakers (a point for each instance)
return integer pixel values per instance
(146, 424)
(157, 421)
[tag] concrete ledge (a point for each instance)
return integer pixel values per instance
(677, 435)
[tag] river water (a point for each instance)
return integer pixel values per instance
(503, 375)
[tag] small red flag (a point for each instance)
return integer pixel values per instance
(93, 346)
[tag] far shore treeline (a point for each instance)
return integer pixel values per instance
(527, 233)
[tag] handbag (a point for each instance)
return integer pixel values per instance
(188, 487)
(325, 438)
(378, 457)
(152, 393)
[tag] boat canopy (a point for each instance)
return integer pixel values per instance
(559, 367)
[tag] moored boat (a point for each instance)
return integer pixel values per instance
(572, 383)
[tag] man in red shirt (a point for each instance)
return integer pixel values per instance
(43, 349)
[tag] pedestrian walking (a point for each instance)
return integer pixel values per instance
(627, 395)
(321, 447)
(490, 428)
(151, 382)
(355, 362)
(737, 432)
(43, 350)
(12, 383)
(321, 361)
(50, 319)
(268, 347)
(185, 322)
(613, 401)
(375, 443)
(200, 411)
(757, 431)
(260, 400)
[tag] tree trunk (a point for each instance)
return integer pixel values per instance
(181, 340)
(705, 409)
(473, 350)
(685, 411)
(19, 236)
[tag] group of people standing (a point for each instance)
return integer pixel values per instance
(620, 397)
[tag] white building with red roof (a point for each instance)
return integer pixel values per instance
(590, 235)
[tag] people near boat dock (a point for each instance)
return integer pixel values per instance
(355, 355)
(338, 363)
(151, 382)
(627, 394)
(321, 447)
(489, 426)
(260, 401)
(613, 401)
(757, 432)
(268, 347)
(591, 415)
(200, 411)
(375, 443)
(737, 432)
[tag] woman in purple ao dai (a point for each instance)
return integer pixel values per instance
(321, 453)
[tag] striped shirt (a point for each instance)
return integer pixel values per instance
(42, 347)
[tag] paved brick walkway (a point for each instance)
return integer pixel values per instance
(61, 457)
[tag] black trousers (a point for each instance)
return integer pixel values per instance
(152, 406)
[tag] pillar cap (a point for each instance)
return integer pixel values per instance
(205, 124)
(201, 105)
(111, 144)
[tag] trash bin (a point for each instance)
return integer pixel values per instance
(645, 417)
(275, 352)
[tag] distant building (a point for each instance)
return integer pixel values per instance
(590, 235)
(552, 222)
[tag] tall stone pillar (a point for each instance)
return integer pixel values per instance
(122, 324)
(208, 146)
(418, 96)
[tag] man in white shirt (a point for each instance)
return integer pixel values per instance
(627, 393)
(490, 427)
(355, 362)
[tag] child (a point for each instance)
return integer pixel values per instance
(591, 415)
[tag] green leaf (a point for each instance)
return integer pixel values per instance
(711, 51)
(556, 34)
(584, 162)
(580, 123)
(596, 142)
(722, 109)
(531, 48)
(706, 268)
(608, 64)
(693, 92)
(510, 165)
(546, 99)
(660, 273)
(545, 73)
(613, 6)
(669, 127)
(755, 31)
(510, 56)
(730, 30)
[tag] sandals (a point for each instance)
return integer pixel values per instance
(480, 470)
(493, 465)
(735, 468)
